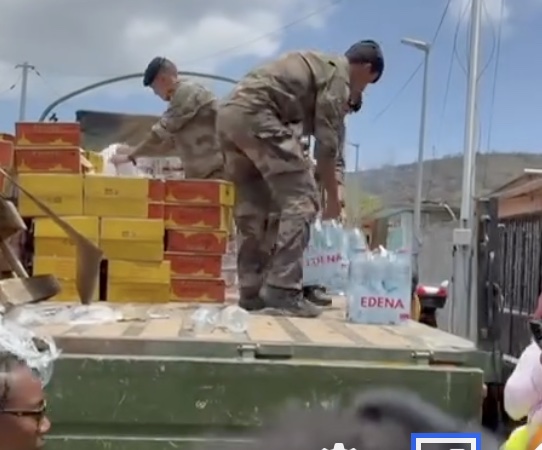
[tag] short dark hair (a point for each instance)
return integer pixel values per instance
(367, 52)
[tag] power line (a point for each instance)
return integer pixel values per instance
(444, 103)
(11, 87)
(417, 69)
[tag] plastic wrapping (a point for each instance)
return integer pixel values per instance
(39, 352)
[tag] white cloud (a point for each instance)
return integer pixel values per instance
(73, 42)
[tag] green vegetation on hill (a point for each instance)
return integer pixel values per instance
(396, 185)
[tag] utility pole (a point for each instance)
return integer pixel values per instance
(463, 308)
(425, 47)
(26, 68)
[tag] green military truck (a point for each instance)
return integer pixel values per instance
(151, 382)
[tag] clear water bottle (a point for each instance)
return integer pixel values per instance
(205, 319)
(234, 319)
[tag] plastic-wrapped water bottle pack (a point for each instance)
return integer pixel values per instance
(377, 283)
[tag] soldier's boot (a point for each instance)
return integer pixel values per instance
(288, 302)
(317, 295)
(249, 299)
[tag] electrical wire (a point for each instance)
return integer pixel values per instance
(11, 87)
(431, 180)
(293, 23)
(417, 69)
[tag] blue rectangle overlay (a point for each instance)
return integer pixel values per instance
(446, 441)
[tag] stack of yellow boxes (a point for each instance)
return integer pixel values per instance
(48, 165)
(198, 219)
(162, 241)
(131, 236)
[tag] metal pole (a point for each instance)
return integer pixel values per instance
(118, 79)
(425, 47)
(356, 147)
(24, 89)
(463, 306)
(417, 235)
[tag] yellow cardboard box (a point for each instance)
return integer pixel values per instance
(64, 269)
(140, 271)
(107, 196)
(51, 240)
(135, 292)
(63, 193)
(132, 239)
(68, 292)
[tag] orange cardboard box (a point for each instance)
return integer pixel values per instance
(188, 290)
(6, 154)
(196, 241)
(200, 192)
(198, 217)
(41, 159)
(32, 134)
(157, 191)
(7, 137)
(156, 211)
(185, 265)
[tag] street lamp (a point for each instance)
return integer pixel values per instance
(425, 47)
(356, 148)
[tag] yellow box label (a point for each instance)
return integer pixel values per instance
(116, 187)
(132, 229)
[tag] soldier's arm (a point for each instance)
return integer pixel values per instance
(184, 106)
(329, 126)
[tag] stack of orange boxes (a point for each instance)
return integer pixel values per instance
(48, 165)
(131, 213)
(6, 162)
(198, 219)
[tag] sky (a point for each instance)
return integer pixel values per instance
(72, 43)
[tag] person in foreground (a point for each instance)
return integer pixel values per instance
(23, 420)
(381, 420)
(259, 127)
(186, 129)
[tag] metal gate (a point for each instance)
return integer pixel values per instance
(510, 278)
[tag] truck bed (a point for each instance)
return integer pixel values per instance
(167, 330)
(146, 383)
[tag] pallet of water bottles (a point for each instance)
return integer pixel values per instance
(376, 284)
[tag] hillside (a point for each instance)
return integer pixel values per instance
(442, 177)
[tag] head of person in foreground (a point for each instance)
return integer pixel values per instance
(366, 67)
(23, 420)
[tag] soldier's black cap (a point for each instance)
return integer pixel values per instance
(152, 70)
(367, 52)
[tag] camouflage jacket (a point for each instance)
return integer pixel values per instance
(187, 130)
(308, 91)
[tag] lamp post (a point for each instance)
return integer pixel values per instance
(425, 47)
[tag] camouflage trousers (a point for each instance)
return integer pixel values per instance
(264, 160)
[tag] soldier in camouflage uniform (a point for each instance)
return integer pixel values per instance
(187, 129)
(259, 126)
(318, 294)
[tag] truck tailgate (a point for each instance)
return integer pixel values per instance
(145, 382)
